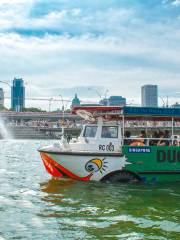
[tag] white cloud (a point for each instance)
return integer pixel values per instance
(117, 48)
(68, 62)
(176, 3)
(15, 2)
(66, 20)
(14, 12)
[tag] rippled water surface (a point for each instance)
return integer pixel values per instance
(35, 206)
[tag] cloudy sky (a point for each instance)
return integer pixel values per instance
(65, 46)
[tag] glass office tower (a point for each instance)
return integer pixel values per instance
(18, 95)
(149, 96)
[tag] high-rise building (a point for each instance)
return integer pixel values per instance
(176, 105)
(114, 101)
(18, 94)
(117, 101)
(149, 96)
(1, 97)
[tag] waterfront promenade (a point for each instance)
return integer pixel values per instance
(35, 132)
(40, 125)
(47, 132)
(11, 115)
(48, 125)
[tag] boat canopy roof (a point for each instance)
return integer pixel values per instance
(131, 113)
(151, 113)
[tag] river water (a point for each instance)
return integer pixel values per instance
(35, 206)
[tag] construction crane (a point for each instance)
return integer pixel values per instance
(42, 99)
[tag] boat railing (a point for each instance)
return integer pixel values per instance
(151, 141)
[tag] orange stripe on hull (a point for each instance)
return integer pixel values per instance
(52, 167)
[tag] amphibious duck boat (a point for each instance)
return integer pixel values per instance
(105, 152)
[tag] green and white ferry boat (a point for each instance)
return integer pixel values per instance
(119, 144)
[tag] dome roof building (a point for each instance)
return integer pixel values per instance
(76, 101)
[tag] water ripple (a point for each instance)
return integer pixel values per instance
(35, 206)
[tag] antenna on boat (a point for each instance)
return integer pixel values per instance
(86, 115)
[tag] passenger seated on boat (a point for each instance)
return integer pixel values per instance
(143, 136)
(175, 143)
(137, 142)
(127, 134)
(161, 141)
(167, 136)
(154, 141)
(141, 141)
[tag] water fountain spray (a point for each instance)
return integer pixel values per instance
(4, 133)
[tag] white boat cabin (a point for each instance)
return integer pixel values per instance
(100, 137)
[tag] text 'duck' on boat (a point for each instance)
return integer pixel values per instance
(123, 144)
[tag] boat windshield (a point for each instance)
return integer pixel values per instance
(90, 131)
(109, 132)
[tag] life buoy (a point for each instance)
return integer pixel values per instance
(137, 143)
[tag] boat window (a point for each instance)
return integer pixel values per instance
(90, 131)
(109, 132)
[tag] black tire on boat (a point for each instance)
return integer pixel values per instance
(121, 177)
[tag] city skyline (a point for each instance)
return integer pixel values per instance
(148, 99)
(93, 96)
(114, 45)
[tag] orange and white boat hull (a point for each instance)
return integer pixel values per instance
(84, 166)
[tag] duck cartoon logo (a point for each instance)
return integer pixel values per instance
(95, 165)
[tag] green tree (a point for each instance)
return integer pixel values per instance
(2, 108)
(32, 109)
